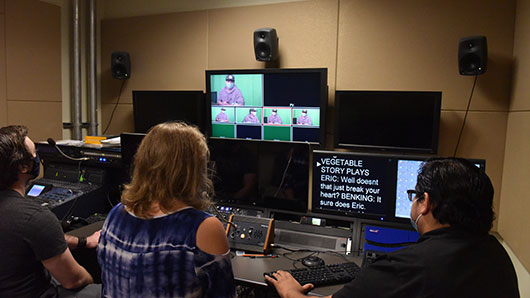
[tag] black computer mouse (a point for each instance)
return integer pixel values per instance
(311, 261)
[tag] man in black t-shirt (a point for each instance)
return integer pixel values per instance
(33, 247)
(455, 255)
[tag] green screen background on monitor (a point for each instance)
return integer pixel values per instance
(277, 133)
(250, 85)
(223, 130)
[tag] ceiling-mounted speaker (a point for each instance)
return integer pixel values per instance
(266, 44)
(120, 65)
(472, 55)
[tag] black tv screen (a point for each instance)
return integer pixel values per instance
(268, 104)
(156, 106)
(388, 120)
(260, 173)
(129, 143)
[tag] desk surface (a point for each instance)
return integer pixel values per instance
(249, 271)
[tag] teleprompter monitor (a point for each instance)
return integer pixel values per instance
(372, 186)
(401, 121)
(268, 104)
(151, 107)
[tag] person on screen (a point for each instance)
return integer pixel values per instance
(304, 119)
(274, 118)
(455, 255)
(222, 116)
(230, 94)
(36, 260)
(251, 117)
(158, 242)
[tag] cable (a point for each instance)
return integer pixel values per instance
(108, 200)
(115, 106)
(283, 176)
(52, 142)
(465, 116)
(222, 218)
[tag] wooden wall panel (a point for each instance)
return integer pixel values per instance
(521, 88)
(168, 52)
(483, 137)
(122, 121)
(413, 45)
(307, 34)
(3, 91)
(41, 125)
(514, 222)
(33, 50)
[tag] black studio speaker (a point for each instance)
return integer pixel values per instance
(472, 55)
(120, 65)
(266, 44)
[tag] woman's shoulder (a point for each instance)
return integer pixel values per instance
(211, 236)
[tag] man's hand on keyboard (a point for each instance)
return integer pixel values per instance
(287, 286)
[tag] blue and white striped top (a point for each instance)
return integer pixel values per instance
(158, 257)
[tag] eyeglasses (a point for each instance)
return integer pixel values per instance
(412, 194)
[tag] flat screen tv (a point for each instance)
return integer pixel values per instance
(403, 121)
(268, 104)
(260, 173)
(151, 107)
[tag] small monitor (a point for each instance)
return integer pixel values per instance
(268, 104)
(157, 106)
(36, 190)
(406, 177)
(401, 121)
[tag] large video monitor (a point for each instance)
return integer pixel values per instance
(268, 104)
(151, 107)
(388, 120)
(372, 186)
(260, 174)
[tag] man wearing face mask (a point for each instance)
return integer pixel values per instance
(455, 255)
(274, 118)
(251, 117)
(32, 243)
(230, 94)
(304, 119)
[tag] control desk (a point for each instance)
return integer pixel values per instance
(84, 184)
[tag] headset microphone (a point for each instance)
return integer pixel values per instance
(54, 144)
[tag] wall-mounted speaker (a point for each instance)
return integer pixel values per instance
(472, 55)
(120, 65)
(266, 44)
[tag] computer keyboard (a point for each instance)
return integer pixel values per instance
(324, 275)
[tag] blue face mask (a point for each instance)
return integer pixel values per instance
(230, 85)
(35, 171)
(414, 223)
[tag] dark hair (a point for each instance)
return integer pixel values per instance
(460, 192)
(13, 154)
